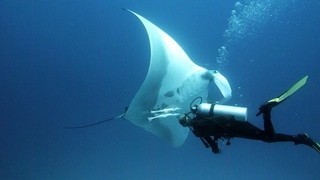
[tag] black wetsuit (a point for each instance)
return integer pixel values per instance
(210, 129)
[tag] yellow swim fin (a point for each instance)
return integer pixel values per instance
(290, 91)
(275, 101)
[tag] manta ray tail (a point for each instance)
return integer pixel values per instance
(93, 124)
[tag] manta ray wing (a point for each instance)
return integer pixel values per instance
(172, 82)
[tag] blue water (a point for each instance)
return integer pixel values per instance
(75, 62)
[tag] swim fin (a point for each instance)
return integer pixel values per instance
(290, 91)
(305, 139)
(275, 101)
(316, 146)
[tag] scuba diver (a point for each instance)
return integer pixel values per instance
(211, 122)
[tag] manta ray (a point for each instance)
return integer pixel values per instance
(172, 82)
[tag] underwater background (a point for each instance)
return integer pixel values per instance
(68, 63)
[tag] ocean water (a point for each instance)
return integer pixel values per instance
(67, 63)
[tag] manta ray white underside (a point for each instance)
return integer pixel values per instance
(172, 82)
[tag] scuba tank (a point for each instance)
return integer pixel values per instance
(218, 110)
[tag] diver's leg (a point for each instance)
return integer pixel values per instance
(268, 127)
(278, 137)
(249, 131)
(298, 139)
(271, 136)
